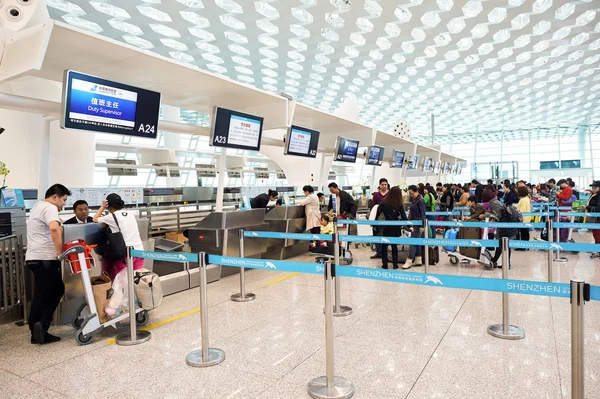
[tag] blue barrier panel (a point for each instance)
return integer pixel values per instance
(473, 283)
(495, 225)
(594, 293)
(181, 257)
(584, 214)
(564, 225)
(552, 246)
(268, 264)
(382, 222)
(535, 213)
(442, 213)
(288, 236)
(461, 208)
(420, 241)
(564, 208)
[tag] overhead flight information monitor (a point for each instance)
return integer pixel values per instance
(427, 164)
(100, 105)
(413, 162)
(233, 129)
(375, 155)
(346, 150)
(437, 167)
(301, 142)
(397, 159)
(446, 168)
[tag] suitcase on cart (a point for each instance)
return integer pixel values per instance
(470, 233)
(451, 234)
(434, 256)
(403, 252)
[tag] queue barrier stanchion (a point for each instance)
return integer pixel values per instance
(580, 293)
(550, 252)
(242, 296)
(205, 356)
(330, 386)
(505, 330)
(426, 247)
(339, 309)
(133, 337)
(557, 257)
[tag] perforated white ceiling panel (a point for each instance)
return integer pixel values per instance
(476, 65)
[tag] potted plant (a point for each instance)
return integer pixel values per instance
(3, 172)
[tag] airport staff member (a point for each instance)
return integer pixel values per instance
(262, 200)
(348, 206)
(82, 213)
(44, 246)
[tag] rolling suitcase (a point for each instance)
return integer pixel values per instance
(451, 234)
(434, 256)
(403, 253)
(470, 233)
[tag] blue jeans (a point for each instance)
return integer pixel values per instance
(415, 250)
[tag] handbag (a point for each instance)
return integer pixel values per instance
(148, 289)
(114, 246)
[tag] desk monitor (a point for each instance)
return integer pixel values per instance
(233, 129)
(375, 155)
(346, 150)
(397, 159)
(301, 142)
(99, 105)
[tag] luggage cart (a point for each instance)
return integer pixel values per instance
(86, 320)
(485, 258)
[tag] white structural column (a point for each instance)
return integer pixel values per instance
(221, 184)
(172, 141)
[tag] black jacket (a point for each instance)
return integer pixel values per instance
(260, 201)
(418, 210)
(446, 202)
(347, 204)
(478, 191)
(593, 204)
(73, 220)
(510, 198)
(391, 213)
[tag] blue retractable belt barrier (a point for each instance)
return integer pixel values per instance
(420, 241)
(181, 257)
(382, 222)
(461, 208)
(535, 213)
(564, 208)
(446, 281)
(442, 213)
(287, 236)
(552, 246)
(585, 214)
(495, 225)
(275, 265)
(565, 225)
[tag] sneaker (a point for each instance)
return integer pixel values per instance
(376, 256)
(407, 264)
(418, 261)
(595, 255)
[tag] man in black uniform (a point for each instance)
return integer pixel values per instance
(262, 200)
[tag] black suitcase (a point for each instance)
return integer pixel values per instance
(470, 233)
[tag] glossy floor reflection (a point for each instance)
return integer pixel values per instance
(402, 341)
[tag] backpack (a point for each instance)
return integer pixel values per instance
(512, 215)
(114, 245)
(571, 199)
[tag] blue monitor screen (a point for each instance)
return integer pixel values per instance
(346, 150)
(375, 156)
(397, 159)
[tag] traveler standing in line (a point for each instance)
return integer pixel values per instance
(44, 246)
(447, 199)
(478, 189)
(417, 212)
(499, 209)
(593, 206)
(379, 196)
(524, 205)
(311, 209)
(510, 194)
(429, 199)
(392, 209)
(564, 196)
(464, 198)
(348, 206)
(119, 219)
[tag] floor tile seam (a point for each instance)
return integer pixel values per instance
(439, 343)
(560, 377)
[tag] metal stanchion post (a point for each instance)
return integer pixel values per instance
(426, 247)
(505, 330)
(242, 296)
(579, 294)
(558, 258)
(205, 356)
(550, 252)
(134, 337)
(339, 310)
(330, 386)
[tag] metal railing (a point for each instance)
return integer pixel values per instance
(12, 280)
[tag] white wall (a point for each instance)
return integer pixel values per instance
(300, 171)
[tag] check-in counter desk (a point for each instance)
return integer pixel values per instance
(286, 219)
(218, 234)
(91, 233)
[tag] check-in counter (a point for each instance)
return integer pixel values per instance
(218, 234)
(286, 219)
(91, 233)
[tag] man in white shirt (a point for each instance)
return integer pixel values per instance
(82, 213)
(44, 246)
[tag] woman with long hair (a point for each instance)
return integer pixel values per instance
(392, 209)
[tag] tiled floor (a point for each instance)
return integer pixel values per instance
(402, 341)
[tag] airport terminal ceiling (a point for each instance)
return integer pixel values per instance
(478, 66)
